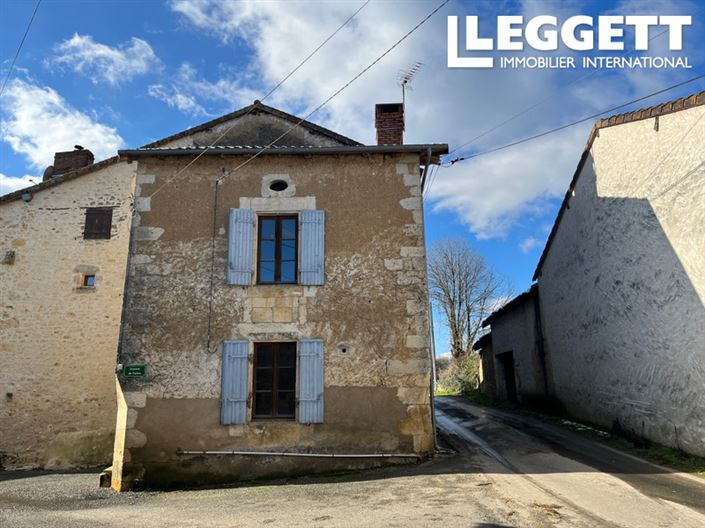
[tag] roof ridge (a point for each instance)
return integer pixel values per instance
(668, 107)
(59, 179)
(254, 107)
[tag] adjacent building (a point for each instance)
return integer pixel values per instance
(614, 327)
(63, 254)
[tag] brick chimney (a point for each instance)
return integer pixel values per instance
(389, 122)
(70, 161)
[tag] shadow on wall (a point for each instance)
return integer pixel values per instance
(623, 323)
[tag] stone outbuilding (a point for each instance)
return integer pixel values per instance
(617, 316)
(63, 255)
(276, 310)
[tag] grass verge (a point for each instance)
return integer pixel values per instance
(666, 456)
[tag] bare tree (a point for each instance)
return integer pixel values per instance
(465, 289)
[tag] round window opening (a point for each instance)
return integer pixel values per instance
(278, 185)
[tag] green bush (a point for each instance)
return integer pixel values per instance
(461, 374)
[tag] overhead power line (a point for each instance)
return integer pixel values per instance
(550, 97)
(19, 48)
(324, 103)
(337, 92)
(573, 123)
(270, 92)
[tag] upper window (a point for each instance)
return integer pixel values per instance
(274, 380)
(98, 222)
(277, 250)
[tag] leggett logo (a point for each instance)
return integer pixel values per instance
(578, 33)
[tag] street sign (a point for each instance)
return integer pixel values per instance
(134, 371)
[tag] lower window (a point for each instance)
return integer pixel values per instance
(275, 380)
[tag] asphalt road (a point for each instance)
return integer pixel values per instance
(594, 480)
(505, 471)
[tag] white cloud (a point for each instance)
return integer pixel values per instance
(103, 63)
(174, 99)
(226, 20)
(12, 183)
(529, 244)
(489, 193)
(187, 88)
(37, 122)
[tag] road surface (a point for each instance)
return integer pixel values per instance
(584, 482)
(506, 471)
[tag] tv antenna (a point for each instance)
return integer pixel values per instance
(405, 76)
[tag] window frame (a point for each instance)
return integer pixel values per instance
(277, 248)
(274, 391)
(100, 212)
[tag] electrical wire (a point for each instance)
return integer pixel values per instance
(573, 123)
(337, 92)
(19, 48)
(329, 99)
(265, 96)
(549, 98)
(695, 170)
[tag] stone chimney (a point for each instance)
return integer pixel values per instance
(69, 161)
(389, 122)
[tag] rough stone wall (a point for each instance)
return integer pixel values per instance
(623, 285)
(515, 331)
(58, 341)
(376, 396)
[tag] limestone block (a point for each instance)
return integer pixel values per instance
(393, 264)
(262, 315)
(148, 233)
(412, 251)
(141, 259)
(402, 168)
(414, 395)
(131, 418)
(412, 203)
(414, 307)
(135, 438)
(416, 341)
(401, 367)
(412, 180)
(145, 179)
(283, 315)
(135, 399)
(143, 204)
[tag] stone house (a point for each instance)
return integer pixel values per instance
(614, 328)
(275, 316)
(63, 251)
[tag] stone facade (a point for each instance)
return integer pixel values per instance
(58, 339)
(373, 303)
(370, 311)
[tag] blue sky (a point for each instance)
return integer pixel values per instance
(108, 74)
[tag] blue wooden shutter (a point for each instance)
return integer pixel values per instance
(240, 246)
(233, 388)
(311, 381)
(312, 247)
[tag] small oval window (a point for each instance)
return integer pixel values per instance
(278, 185)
